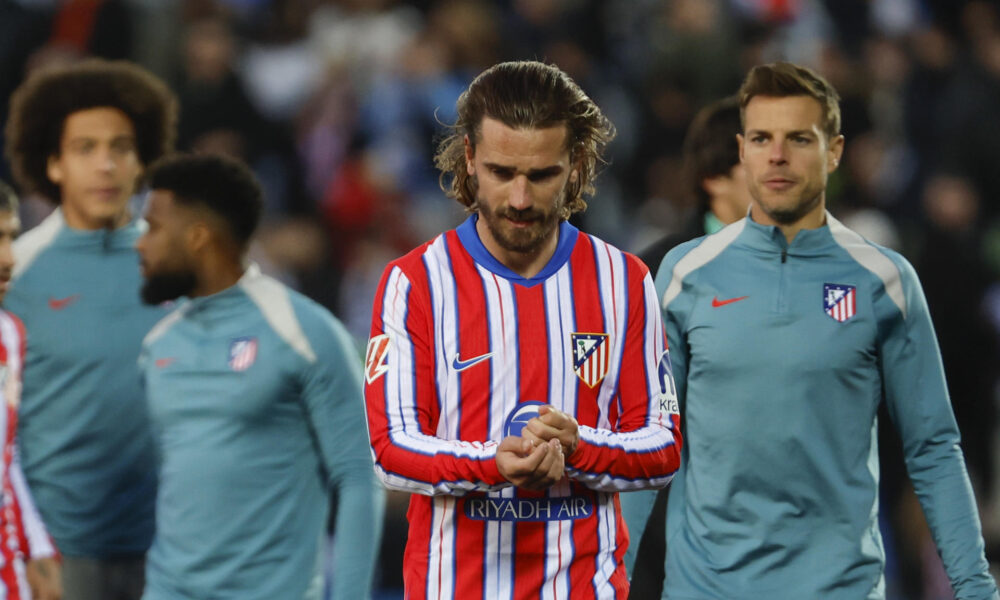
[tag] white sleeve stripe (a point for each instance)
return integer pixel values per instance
(32, 243)
(272, 298)
(708, 249)
(870, 258)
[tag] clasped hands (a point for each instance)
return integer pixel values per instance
(537, 459)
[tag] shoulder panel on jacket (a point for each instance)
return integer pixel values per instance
(871, 258)
(163, 325)
(275, 303)
(38, 238)
(702, 254)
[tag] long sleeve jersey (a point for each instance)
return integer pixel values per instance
(255, 395)
(461, 347)
(22, 534)
(85, 442)
(782, 354)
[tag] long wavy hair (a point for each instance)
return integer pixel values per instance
(532, 95)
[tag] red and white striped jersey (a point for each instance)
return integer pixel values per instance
(459, 343)
(22, 534)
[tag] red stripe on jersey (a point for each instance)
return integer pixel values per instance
(475, 383)
(533, 384)
(589, 318)
(473, 342)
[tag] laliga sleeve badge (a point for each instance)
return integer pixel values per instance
(519, 417)
(377, 357)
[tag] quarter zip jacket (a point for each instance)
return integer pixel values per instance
(85, 442)
(776, 496)
(255, 397)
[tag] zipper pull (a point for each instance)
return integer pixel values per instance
(784, 256)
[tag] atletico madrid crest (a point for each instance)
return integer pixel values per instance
(840, 301)
(591, 356)
(242, 353)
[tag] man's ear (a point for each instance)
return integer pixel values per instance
(54, 170)
(834, 152)
(199, 236)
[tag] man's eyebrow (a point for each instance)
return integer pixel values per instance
(550, 170)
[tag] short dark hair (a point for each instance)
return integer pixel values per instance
(39, 108)
(8, 199)
(710, 146)
(223, 185)
(782, 79)
(526, 94)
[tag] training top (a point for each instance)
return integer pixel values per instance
(462, 349)
(22, 533)
(255, 395)
(85, 442)
(782, 354)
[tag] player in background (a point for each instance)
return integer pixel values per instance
(713, 177)
(517, 376)
(255, 396)
(716, 180)
(788, 330)
(80, 136)
(29, 567)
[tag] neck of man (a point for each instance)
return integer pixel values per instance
(814, 219)
(218, 271)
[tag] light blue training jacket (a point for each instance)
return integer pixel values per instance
(255, 396)
(781, 354)
(85, 442)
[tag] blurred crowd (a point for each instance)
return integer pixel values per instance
(337, 105)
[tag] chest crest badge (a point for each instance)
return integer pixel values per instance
(840, 301)
(591, 356)
(242, 353)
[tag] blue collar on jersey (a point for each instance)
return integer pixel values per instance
(474, 246)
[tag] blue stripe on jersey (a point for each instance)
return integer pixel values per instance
(469, 237)
(575, 386)
(458, 338)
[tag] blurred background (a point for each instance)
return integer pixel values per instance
(337, 104)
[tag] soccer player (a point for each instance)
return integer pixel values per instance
(788, 330)
(23, 538)
(517, 377)
(255, 396)
(716, 179)
(80, 135)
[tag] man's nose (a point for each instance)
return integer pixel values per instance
(778, 152)
(520, 193)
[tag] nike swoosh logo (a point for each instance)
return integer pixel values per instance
(61, 303)
(165, 362)
(716, 303)
(461, 365)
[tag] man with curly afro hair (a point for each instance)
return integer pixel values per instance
(80, 136)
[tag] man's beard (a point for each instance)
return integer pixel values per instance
(518, 239)
(162, 287)
(790, 215)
